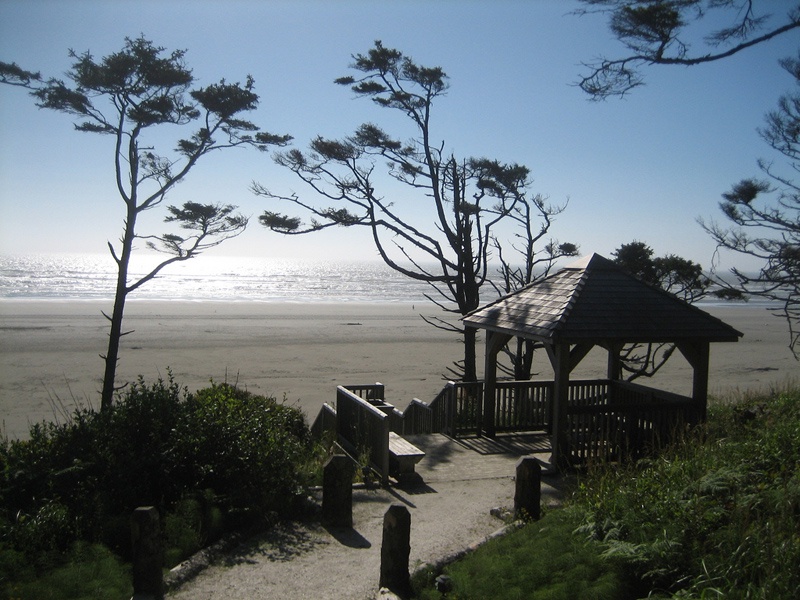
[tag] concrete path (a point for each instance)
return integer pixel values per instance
(462, 482)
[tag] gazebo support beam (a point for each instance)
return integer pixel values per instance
(494, 343)
(562, 361)
(614, 371)
(697, 354)
(578, 353)
(575, 356)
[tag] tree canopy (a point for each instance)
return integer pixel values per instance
(124, 95)
(467, 198)
(676, 32)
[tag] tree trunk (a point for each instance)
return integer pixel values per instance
(523, 361)
(120, 295)
(470, 369)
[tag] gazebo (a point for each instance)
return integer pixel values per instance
(593, 302)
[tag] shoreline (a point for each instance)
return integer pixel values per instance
(300, 351)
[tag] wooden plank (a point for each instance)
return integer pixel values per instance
(403, 455)
(402, 447)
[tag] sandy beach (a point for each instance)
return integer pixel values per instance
(49, 352)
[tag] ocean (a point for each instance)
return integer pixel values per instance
(72, 277)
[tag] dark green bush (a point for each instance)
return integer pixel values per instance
(246, 448)
(218, 455)
(99, 466)
(87, 572)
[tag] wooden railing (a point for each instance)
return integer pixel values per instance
(523, 405)
(437, 417)
(363, 428)
(368, 391)
(416, 418)
(606, 420)
(466, 411)
(620, 421)
(325, 421)
(519, 406)
(443, 411)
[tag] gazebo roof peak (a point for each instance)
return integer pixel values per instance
(591, 261)
(595, 300)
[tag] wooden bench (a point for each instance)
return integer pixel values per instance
(403, 455)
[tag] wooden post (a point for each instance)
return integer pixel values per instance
(614, 371)
(337, 491)
(148, 580)
(528, 491)
(395, 550)
(559, 358)
(494, 343)
(449, 426)
(384, 449)
(698, 356)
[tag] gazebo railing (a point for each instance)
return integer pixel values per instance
(519, 406)
(523, 406)
(606, 420)
(616, 420)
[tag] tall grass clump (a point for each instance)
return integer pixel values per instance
(716, 515)
(544, 560)
(209, 461)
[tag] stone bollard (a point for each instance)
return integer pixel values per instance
(395, 550)
(337, 491)
(148, 580)
(528, 493)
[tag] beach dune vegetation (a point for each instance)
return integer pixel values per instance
(210, 461)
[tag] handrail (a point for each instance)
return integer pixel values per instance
(443, 410)
(363, 427)
(325, 421)
(368, 391)
(416, 418)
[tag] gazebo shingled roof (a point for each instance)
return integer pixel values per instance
(595, 300)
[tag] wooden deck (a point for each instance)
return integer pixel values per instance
(467, 459)
(603, 420)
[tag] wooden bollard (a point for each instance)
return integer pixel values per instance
(528, 492)
(148, 580)
(395, 550)
(337, 491)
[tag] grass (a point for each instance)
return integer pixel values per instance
(544, 560)
(715, 516)
(91, 572)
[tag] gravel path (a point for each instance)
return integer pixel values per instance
(449, 511)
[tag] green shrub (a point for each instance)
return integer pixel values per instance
(716, 512)
(246, 448)
(206, 460)
(99, 466)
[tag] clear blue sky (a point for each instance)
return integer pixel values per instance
(644, 168)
